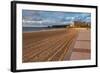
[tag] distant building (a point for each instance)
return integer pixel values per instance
(81, 24)
(72, 24)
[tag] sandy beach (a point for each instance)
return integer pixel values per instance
(50, 45)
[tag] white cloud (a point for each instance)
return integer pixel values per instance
(28, 21)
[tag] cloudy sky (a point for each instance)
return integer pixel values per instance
(35, 18)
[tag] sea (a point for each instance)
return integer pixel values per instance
(32, 29)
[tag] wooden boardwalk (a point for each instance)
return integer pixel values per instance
(53, 45)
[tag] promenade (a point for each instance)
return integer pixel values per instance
(82, 47)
